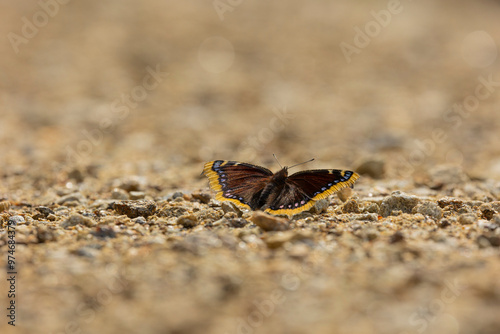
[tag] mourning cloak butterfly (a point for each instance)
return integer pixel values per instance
(257, 188)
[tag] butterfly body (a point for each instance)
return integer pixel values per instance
(257, 188)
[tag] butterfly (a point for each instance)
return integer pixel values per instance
(257, 188)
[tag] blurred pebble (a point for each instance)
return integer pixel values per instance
(488, 240)
(45, 234)
(132, 183)
(104, 232)
(278, 239)
(299, 251)
(430, 209)
(231, 207)
(363, 217)
(351, 206)
(443, 223)
(119, 194)
(86, 251)
(487, 211)
(344, 194)
(16, 220)
(373, 168)
(202, 197)
(74, 197)
(371, 208)
(77, 175)
(135, 195)
(398, 236)
(45, 211)
(467, 218)
(398, 201)
(238, 222)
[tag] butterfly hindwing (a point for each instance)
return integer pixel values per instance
(237, 182)
(302, 189)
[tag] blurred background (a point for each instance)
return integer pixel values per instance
(340, 81)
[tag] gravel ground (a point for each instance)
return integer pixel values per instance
(110, 110)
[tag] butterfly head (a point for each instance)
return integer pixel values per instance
(281, 175)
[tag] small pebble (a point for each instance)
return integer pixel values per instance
(237, 222)
(398, 201)
(278, 238)
(344, 194)
(372, 168)
(445, 175)
(319, 206)
(450, 201)
(132, 183)
(231, 207)
(139, 220)
(119, 194)
(488, 240)
(467, 218)
(135, 209)
(371, 208)
(104, 232)
(269, 223)
(368, 234)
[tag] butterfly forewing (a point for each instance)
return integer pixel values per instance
(302, 189)
(235, 181)
(319, 183)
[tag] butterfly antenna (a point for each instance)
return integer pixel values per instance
(302, 163)
(274, 155)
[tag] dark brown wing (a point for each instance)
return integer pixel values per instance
(302, 189)
(236, 182)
